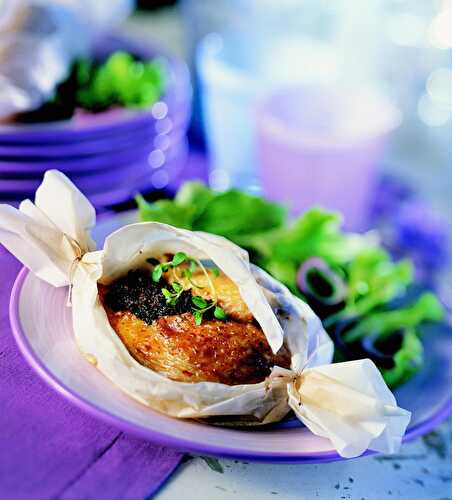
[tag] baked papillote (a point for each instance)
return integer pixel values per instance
(224, 340)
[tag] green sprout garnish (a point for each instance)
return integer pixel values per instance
(162, 267)
(187, 273)
(173, 297)
(200, 305)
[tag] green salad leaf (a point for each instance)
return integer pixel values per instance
(316, 233)
(231, 214)
(164, 211)
(383, 323)
(373, 280)
(119, 80)
(408, 360)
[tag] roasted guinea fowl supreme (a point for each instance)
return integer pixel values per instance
(190, 325)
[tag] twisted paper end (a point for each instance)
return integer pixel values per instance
(51, 235)
(350, 404)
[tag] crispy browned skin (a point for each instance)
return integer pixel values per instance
(229, 352)
(216, 351)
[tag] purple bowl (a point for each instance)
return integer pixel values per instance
(87, 183)
(116, 168)
(175, 101)
(21, 173)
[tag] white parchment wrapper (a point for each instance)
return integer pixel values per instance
(348, 403)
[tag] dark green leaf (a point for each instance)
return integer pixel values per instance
(178, 258)
(199, 302)
(193, 265)
(233, 213)
(219, 313)
(407, 361)
(194, 196)
(197, 315)
(157, 273)
(166, 212)
(215, 271)
(177, 287)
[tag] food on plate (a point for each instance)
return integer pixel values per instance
(183, 323)
(93, 86)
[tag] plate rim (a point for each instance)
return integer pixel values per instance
(164, 439)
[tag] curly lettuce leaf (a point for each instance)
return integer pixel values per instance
(383, 323)
(232, 214)
(165, 211)
(374, 279)
(408, 360)
(316, 233)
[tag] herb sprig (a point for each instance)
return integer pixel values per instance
(173, 297)
(162, 267)
(200, 305)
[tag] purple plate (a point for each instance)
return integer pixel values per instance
(31, 171)
(112, 188)
(88, 183)
(175, 101)
(42, 327)
(18, 173)
(106, 144)
(151, 179)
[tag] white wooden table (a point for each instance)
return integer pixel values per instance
(421, 471)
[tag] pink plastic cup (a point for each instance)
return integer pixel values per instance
(322, 146)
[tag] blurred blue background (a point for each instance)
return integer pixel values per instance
(401, 47)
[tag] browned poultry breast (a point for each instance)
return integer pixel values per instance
(166, 338)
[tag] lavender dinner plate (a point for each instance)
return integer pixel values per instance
(42, 327)
(115, 185)
(106, 144)
(31, 171)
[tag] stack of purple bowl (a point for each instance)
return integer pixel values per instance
(111, 155)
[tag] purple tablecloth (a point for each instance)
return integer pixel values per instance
(51, 449)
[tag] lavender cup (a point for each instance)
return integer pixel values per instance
(322, 146)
